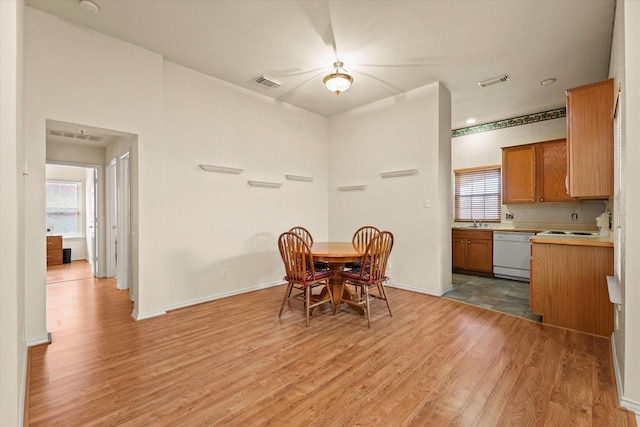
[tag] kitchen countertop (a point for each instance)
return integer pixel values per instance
(557, 239)
(563, 239)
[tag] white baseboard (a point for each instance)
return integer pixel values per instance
(419, 290)
(222, 295)
(136, 316)
(624, 402)
(39, 341)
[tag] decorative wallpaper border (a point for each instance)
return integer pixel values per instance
(516, 121)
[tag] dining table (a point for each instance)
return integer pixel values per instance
(337, 255)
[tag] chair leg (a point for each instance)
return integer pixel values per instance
(383, 292)
(287, 294)
(307, 303)
(367, 304)
(337, 307)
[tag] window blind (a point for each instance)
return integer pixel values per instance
(477, 194)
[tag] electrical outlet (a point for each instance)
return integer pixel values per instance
(574, 216)
(508, 216)
(225, 273)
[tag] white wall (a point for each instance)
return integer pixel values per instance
(215, 221)
(12, 289)
(77, 245)
(631, 200)
(411, 131)
(57, 151)
(187, 225)
(128, 98)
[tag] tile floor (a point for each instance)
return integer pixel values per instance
(508, 296)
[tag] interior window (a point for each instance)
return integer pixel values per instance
(477, 194)
(64, 208)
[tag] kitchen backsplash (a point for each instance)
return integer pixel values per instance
(554, 213)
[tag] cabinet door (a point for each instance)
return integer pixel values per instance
(590, 140)
(480, 255)
(551, 159)
(569, 286)
(459, 253)
(518, 174)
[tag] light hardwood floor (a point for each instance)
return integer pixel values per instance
(234, 362)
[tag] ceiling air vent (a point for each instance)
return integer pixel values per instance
(75, 135)
(268, 82)
(493, 81)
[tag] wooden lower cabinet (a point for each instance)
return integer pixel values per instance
(472, 250)
(569, 286)
(54, 250)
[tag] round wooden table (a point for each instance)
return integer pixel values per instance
(337, 254)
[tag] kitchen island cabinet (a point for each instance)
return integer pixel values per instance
(472, 250)
(569, 284)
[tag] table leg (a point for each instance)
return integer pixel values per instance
(335, 281)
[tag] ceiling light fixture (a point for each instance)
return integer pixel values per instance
(548, 81)
(338, 82)
(89, 6)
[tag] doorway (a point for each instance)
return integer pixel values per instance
(107, 194)
(72, 204)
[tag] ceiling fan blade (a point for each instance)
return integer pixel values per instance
(292, 72)
(288, 94)
(320, 16)
(395, 89)
(391, 65)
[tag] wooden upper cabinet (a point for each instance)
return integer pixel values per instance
(590, 140)
(519, 174)
(551, 164)
(535, 173)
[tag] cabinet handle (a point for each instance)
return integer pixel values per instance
(541, 199)
(461, 241)
(469, 241)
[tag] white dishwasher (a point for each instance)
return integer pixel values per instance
(511, 255)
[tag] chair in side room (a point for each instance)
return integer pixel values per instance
(372, 273)
(306, 235)
(360, 240)
(301, 275)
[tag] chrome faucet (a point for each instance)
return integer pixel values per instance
(475, 222)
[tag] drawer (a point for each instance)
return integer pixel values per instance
(472, 234)
(54, 242)
(54, 256)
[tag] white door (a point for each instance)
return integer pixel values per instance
(91, 218)
(111, 219)
(123, 240)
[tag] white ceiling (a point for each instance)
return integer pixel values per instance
(389, 47)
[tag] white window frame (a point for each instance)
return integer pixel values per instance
(80, 206)
(483, 203)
